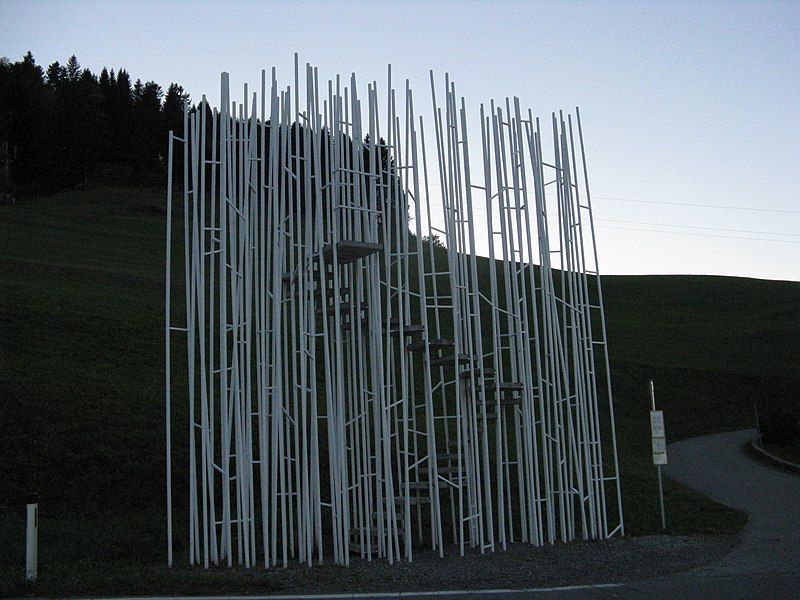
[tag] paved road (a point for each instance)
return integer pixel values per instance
(766, 561)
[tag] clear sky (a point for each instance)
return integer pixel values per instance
(681, 103)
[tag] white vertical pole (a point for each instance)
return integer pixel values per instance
(167, 383)
(198, 287)
(261, 307)
(603, 329)
(31, 539)
(224, 391)
(194, 547)
(216, 238)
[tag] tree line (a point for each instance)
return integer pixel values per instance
(64, 125)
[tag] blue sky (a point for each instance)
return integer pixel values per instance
(693, 103)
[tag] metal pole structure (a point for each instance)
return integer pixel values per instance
(603, 342)
(224, 133)
(167, 346)
(350, 382)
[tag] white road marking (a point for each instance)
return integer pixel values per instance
(541, 590)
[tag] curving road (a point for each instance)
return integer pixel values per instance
(765, 563)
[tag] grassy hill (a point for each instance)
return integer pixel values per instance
(728, 324)
(81, 309)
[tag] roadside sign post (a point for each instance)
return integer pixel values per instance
(659, 446)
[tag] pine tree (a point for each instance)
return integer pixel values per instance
(73, 69)
(172, 110)
(24, 102)
(138, 88)
(55, 75)
(124, 87)
(104, 80)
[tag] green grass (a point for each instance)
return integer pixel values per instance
(81, 309)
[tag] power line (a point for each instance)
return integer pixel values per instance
(749, 208)
(691, 204)
(699, 227)
(730, 237)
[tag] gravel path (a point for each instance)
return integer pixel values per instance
(521, 566)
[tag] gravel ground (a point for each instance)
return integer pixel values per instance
(617, 560)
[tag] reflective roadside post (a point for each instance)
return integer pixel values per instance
(31, 535)
(659, 446)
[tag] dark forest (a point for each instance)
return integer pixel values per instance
(64, 126)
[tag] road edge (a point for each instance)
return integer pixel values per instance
(767, 456)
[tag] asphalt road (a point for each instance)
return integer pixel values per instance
(765, 563)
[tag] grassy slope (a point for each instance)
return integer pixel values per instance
(81, 296)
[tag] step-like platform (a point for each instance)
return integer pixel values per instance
(478, 373)
(435, 344)
(348, 251)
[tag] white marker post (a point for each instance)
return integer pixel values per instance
(31, 539)
(659, 444)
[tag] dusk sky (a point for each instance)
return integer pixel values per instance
(682, 103)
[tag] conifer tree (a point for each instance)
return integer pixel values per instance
(55, 75)
(73, 69)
